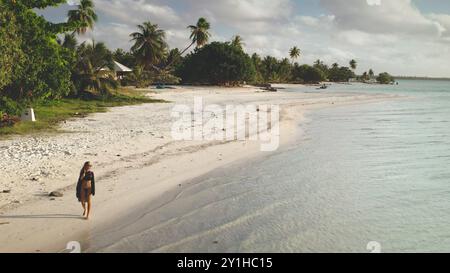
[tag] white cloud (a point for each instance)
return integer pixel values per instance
(360, 38)
(72, 2)
(137, 11)
(320, 21)
(399, 16)
(234, 11)
(444, 21)
(393, 36)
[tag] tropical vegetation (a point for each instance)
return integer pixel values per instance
(307, 74)
(84, 16)
(385, 78)
(227, 65)
(42, 63)
(294, 53)
(199, 33)
(38, 67)
(149, 45)
(238, 42)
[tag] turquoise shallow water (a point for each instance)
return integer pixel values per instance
(371, 172)
(382, 168)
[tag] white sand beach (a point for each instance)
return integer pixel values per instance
(135, 161)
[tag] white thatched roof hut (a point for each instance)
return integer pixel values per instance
(119, 70)
(118, 67)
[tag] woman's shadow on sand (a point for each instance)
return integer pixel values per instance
(43, 216)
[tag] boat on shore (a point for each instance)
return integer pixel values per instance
(268, 87)
(323, 86)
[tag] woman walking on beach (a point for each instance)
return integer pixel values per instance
(86, 188)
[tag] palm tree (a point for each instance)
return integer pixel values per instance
(294, 53)
(322, 67)
(371, 73)
(200, 32)
(70, 41)
(84, 15)
(365, 76)
(284, 70)
(199, 35)
(237, 41)
(174, 57)
(257, 62)
(124, 57)
(140, 77)
(149, 45)
(353, 64)
(91, 72)
(269, 69)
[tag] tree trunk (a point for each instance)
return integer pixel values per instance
(181, 54)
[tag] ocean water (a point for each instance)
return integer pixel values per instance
(377, 172)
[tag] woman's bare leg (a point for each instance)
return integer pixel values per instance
(88, 207)
(83, 202)
(84, 208)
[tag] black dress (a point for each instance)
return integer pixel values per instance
(83, 194)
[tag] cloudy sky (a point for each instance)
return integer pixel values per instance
(403, 37)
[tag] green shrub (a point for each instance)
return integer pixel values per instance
(385, 78)
(217, 63)
(44, 71)
(340, 74)
(11, 55)
(9, 106)
(307, 74)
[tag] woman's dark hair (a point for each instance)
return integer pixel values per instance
(82, 172)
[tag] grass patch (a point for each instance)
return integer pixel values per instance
(50, 114)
